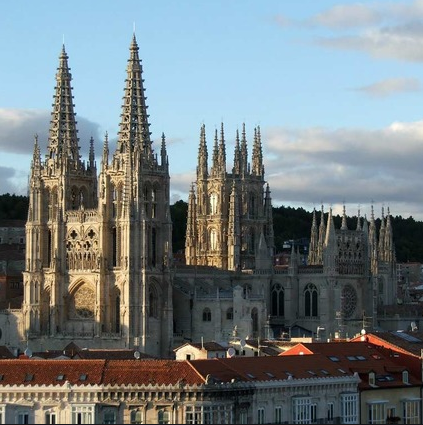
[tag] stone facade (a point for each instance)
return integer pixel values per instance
(99, 268)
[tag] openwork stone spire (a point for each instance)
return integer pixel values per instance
(134, 127)
(257, 154)
(63, 141)
(202, 170)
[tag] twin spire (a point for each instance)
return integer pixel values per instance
(134, 134)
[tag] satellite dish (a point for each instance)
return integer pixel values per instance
(231, 352)
(242, 343)
(137, 354)
(28, 352)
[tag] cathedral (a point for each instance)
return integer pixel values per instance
(99, 269)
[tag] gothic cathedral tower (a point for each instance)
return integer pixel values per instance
(230, 222)
(98, 250)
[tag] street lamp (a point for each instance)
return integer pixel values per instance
(319, 328)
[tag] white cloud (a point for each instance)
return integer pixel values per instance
(356, 166)
(19, 126)
(348, 15)
(381, 29)
(391, 86)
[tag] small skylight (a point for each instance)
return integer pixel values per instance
(311, 372)
(83, 377)
(361, 358)
(324, 371)
(384, 378)
(334, 358)
(251, 376)
(29, 377)
(1, 377)
(60, 377)
(352, 358)
(342, 370)
(270, 374)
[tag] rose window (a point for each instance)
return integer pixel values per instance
(84, 302)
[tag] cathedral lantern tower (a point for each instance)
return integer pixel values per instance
(230, 216)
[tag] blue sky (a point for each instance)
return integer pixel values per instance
(335, 87)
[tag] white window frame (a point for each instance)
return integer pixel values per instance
(2, 414)
(411, 411)
(83, 412)
(212, 413)
(50, 417)
(301, 410)
(376, 412)
(349, 408)
(278, 414)
(330, 412)
(21, 415)
(261, 415)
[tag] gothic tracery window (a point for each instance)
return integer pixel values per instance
(153, 302)
(213, 203)
(278, 300)
(349, 300)
(83, 302)
(310, 301)
(206, 315)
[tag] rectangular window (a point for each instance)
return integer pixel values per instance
(313, 412)
(376, 413)
(214, 414)
(193, 415)
(163, 417)
(411, 412)
(83, 414)
(260, 415)
(349, 408)
(243, 417)
(330, 414)
(23, 418)
(136, 416)
(301, 411)
(278, 415)
(50, 418)
(110, 416)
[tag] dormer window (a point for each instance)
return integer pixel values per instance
(405, 376)
(372, 378)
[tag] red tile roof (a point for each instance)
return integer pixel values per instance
(160, 372)
(360, 357)
(269, 368)
(50, 372)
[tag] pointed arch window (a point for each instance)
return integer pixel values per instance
(277, 300)
(230, 313)
(310, 301)
(213, 239)
(206, 315)
(117, 314)
(213, 203)
(153, 302)
(254, 319)
(153, 203)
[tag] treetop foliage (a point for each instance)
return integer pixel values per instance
(289, 224)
